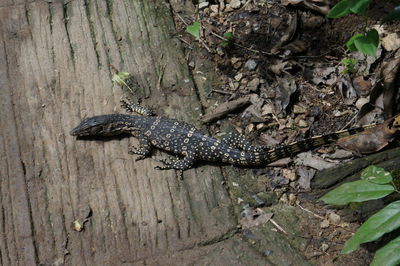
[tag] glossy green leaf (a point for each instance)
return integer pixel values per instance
(382, 222)
(359, 6)
(357, 191)
(340, 9)
(368, 44)
(350, 43)
(194, 29)
(344, 7)
(376, 175)
(389, 255)
(395, 14)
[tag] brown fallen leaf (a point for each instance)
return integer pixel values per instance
(278, 66)
(320, 6)
(372, 139)
(288, 34)
(310, 21)
(286, 87)
(254, 218)
(310, 160)
(296, 47)
(391, 42)
(361, 85)
(390, 71)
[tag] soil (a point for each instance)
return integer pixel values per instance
(259, 31)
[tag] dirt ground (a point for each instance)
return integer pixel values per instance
(66, 201)
(319, 103)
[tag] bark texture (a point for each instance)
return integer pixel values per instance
(55, 70)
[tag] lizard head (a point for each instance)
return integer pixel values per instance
(102, 125)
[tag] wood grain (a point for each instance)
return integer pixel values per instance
(55, 71)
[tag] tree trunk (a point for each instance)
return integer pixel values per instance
(67, 201)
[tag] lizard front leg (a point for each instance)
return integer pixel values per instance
(132, 107)
(144, 148)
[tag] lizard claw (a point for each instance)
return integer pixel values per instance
(139, 158)
(180, 174)
(167, 164)
(133, 150)
(162, 168)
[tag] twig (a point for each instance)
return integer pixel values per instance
(222, 91)
(200, 40)
(161, 73)
(184, 22)
(304, 209)
(351, 121)
(245, 4)
(278, 226)
(205, 45)
(184, 41)
(239, 45)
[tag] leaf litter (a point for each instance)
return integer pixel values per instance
(282, 73)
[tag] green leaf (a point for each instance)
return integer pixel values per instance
(340, 9)
(368, 44)
(228, 35)
(349, 64)
(382, 222)
(357, 191)
(229, 39)
(350, 43)
(359, 6)
(120, 78)
(389, 255)
(376, 175)
(194, 29)
(349, 61)
(395, 14)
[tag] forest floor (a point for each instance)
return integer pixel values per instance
(270, 71)
(288, 63)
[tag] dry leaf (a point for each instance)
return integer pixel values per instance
(391, 42)
(390, 72)
(361, 85)
(307, 159)
(296, 47)
(320, 6)
(278, 67)
(372, 139)
(255, 218)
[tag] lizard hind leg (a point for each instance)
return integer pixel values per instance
(179, 164)
(143, 150)
(239, 141)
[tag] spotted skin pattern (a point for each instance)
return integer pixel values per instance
(131, 107)
(184, 139)
(240, 142)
